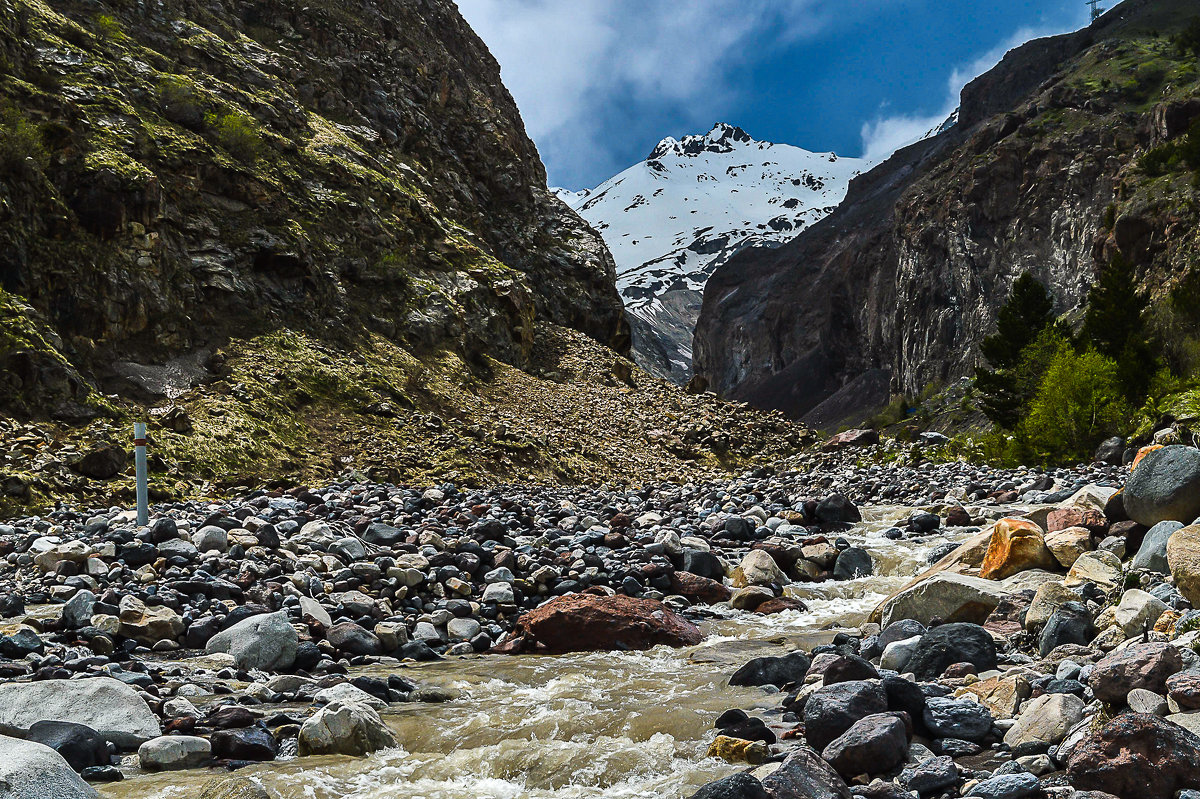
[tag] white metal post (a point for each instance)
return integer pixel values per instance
(139, 454)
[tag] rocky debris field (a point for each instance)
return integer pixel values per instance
(285, 411)
(225, 633)
(1054, 654)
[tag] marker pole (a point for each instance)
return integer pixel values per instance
(139, 455)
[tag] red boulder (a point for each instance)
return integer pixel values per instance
(699, 589)
(1137, 756)
(589, 623)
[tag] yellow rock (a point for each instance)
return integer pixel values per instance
(1016, 545)
(1001, 695)
(736, 750)
(1166, 622)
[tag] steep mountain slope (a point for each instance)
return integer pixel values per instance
(183, 173)
(677, 216)
(894, 290)
(303, 240)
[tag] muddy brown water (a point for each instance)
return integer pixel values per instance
(613, 725)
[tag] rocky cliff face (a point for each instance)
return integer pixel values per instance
(175, 174)
(896, 288)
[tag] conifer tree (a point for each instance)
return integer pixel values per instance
(1116, 326)
(1027, 312)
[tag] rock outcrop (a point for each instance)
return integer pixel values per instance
(242, 168)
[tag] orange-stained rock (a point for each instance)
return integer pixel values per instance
(1016, 545)
(1143, 452)
(589, 623)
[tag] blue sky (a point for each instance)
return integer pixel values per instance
(600, 82)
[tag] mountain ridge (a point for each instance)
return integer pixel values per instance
(673, 218)
(904, 279)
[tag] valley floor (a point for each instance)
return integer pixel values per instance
(347, 640)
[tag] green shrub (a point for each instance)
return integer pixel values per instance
(110, 27)
(238, 134)
(176, 90)
(1079, 403)
(1175, 156)
(20, 140)
(1188, 41)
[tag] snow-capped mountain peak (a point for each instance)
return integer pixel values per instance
(694, 202)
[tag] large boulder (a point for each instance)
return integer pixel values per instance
(78, 610)
(1090, 519)
(1070, 623)
(1016, 545)
(837, 509)
(758, 568)
(873, 745)
(777, 671)
(1100, 567)
(699, 589)
(1137, 756)
(174, 752)
(110, 707)
(1068, 544)
(1044, 722)
(344, 729)
(1136, 613)
(1145, 665)
(946, 596)
(1165, 485)
(833, 709)
(1152, 554)
(346, 636)
(1183, 558)
(805, 775)
(80, 745)
(952, 643)
(960, 719)
(1002, 695)
(588, 623)
(31, 770)
(148, 625)
(735, 786)
(266, 641)
(1047, 599)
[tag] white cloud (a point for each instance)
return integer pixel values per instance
(575, 68)
(885, 135)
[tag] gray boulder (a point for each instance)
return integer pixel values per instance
(108, 706)
(267, 641)
(32, 771)
(1152, 554)
(954, 718)
(174, 752)
(1165, 486)
(344, 729)
(805, 774)
(77, 612)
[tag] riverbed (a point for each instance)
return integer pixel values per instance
(609, 724)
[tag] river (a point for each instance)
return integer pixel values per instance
(613, 725)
